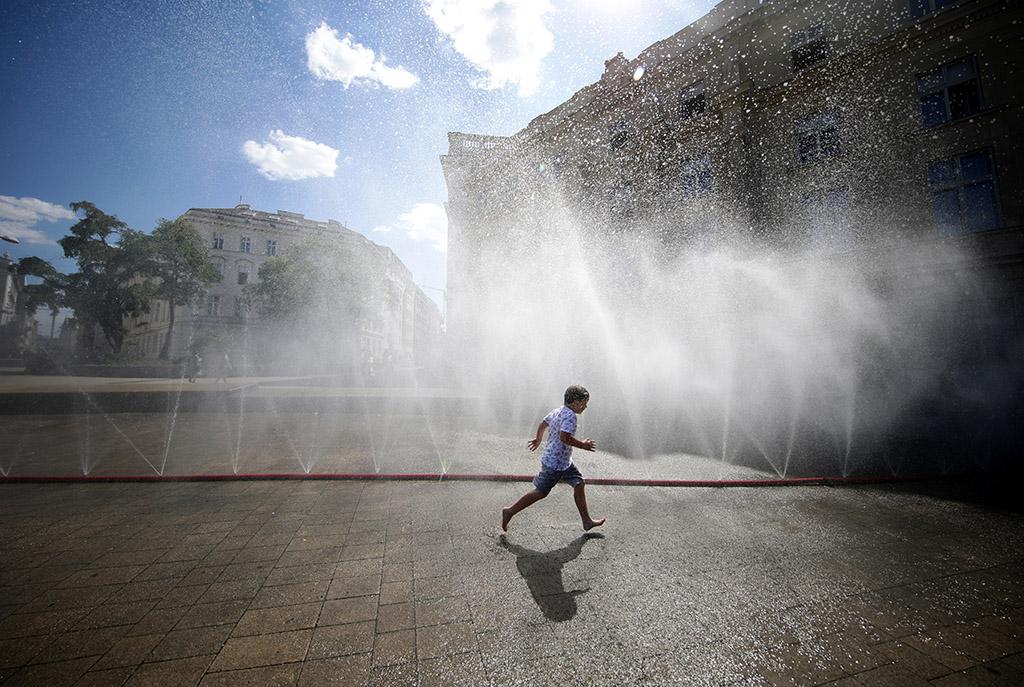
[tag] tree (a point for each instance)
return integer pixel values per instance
(317, 299)
(107, 288)
(50, 291)
(180, 264)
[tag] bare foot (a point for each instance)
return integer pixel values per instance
(506, 515)
(593, 523)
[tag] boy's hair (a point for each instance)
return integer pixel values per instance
(576, 393)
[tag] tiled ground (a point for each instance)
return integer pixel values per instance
(350, 583)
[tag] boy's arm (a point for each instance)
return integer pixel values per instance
(534, 443)
(570, 440)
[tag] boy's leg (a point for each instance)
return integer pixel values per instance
(580, 495)
(527, 499)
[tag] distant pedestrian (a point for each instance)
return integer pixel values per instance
(194, 365)
(556, 461)
(225, 367)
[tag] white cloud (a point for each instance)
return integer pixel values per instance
(426, 222)
(18, 217)
(506, 39)
(291, 157)
(332, 59)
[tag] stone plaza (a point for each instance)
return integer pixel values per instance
(318, 582)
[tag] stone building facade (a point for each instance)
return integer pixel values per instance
(11, 328)
(826, 126)
(406, 333)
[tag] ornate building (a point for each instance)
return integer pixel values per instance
(825, 126)
(876, 138)
(406, 332)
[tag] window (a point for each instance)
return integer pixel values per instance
(218, 267)
(826, 213)
(218, 240)
(807, 47)
(948, 93)
(963, 192)
(243, 272)
(244, 244)
(241, 307)
(271, 247)
(817, 138)
(620, 198)
(618, 134)
(213, 305)
(695, 174)
(691, 100)
(919, 8)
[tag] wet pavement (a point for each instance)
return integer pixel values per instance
(394, 583)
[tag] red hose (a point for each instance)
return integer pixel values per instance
(454, 477)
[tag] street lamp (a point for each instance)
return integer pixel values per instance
(9, 239)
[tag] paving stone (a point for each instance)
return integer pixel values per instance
(342, 587)
(182, 595)
(852, 586)
(92, 642)
(19, 651)
(444, 610)
(398, 572)
(912, 661)
(342, 640)
(396, 617)
(129, 651)
(52, 674)
(394, 647)
(361, 551)
(182, 672)
(263, 650)
(436, 587)
(254, 554)
(444, 640)
(194, 641)
(111, 677)
(200, 615)
(291, 594)
(351, 610)
(143, 590)
(396, 592)
(158, 621)
(269, 676)
(461, 670)
(232, 590)
(396, 675)
(343, 671)
(174, 570)
(359, 567)
(102, 576)
(278, 619)
(115, 614)
(299, 574)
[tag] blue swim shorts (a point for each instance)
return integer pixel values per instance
(547, 478)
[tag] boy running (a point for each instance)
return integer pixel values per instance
(556, 462)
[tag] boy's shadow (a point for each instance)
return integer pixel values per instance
(543, 573)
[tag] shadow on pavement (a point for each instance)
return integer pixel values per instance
(543, 573)
(996, 492)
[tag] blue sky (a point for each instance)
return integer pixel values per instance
(150, 107)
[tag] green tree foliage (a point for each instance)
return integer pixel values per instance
(320, 294)
(107, 287)
(48, 291)
(177, 260)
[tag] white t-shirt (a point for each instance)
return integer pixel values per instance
(558, 456)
